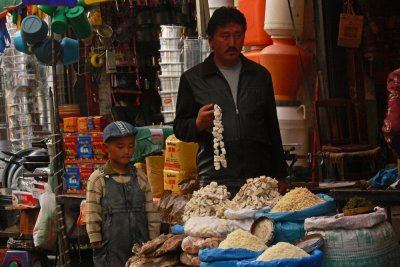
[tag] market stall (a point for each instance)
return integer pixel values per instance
(80, 70)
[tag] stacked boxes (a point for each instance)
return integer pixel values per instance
(85, 150)
(180, 162)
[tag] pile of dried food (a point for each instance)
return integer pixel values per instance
(243, 239)
(257, 193)
(162, 251)
(282, 250)
(211, 200)
(191, 246)
(299, 198)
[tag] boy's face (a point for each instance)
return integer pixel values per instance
(120, 150)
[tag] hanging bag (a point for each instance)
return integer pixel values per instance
(350, 28)
(45, 230)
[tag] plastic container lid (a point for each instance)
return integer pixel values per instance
(310, 242)
(75, 12)
(263, 228)
(32, 24)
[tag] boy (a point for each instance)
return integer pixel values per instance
(119, 201)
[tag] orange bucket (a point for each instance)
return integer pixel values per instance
(254, 11)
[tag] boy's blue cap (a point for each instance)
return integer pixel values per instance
(118, 129)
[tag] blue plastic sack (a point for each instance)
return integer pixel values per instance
(384, 178)
(178, 229)
(289, 226)
(314, 260)
(220, 254)
(231, 263)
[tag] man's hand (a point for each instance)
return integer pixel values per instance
(205, 117)
(97, 245)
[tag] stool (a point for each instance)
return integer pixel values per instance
(22, 258)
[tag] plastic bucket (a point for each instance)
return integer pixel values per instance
(172, 68)
(168, 56)
(59, 22)
(168, 100)
(154, 170)
(254, 11)
(70, 49)
(294, 130)
(20, 43)
(169, 116)
(34, 29)
(79, 22)
(49, 10)
(43, 51)
(169, 83)
(88, 7)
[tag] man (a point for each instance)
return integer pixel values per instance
(244, 91)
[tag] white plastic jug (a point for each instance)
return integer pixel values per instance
(294, 130)
(277, 17)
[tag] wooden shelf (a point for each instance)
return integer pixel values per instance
(77, 161)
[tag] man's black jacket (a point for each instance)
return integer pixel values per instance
(251, 130)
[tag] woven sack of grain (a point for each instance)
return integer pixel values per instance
(362, 247)
(346, 222)
(314, 260)
(289, 226)
(226, 257)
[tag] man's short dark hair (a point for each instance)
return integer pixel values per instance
(222, 17)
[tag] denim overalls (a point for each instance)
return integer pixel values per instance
(124, 221)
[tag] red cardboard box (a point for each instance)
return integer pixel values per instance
(98, 147)
(71, 146)
(23, 198)
(85, 170)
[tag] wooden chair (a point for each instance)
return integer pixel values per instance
(344, 158)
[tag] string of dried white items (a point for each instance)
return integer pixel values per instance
(299, 198)
(243, 239)
(257, 193)
(211, 200)
(219, 146)
(282, 250)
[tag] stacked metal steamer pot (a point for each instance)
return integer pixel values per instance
(26, 96)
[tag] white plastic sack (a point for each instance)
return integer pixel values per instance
(242, 213)
(346, 222)
(45, 230)
(364, 247)
(211, 226)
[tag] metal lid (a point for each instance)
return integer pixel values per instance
(263, 228)
(310, 242)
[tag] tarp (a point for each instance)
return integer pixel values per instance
(51, 2)
(8, 5)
